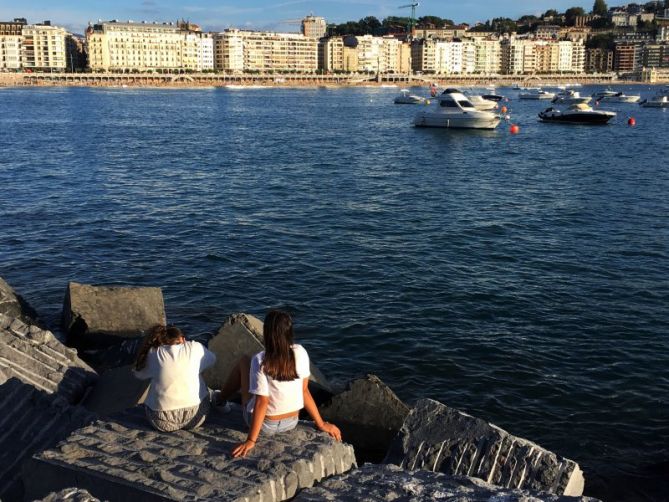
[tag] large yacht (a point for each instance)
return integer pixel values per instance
(455, 111)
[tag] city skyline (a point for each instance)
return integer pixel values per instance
(265, 15)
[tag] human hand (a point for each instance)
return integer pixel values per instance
(331, 429)
(242, 449)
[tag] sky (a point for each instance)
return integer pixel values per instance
(216, 15)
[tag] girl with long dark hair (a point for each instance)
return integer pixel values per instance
(178, 398)
(274, 385)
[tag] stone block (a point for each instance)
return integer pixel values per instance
(122, 458)
(381, 483)
(369, 415)
(36, 357)
(95, 316)
(69, 495)
(31, 420)
(117, 390)
(241, 334)
(13, 304)
(437, 438)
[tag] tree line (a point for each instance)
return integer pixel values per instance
(370, 25)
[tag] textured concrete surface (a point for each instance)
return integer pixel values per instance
(377, 483)
(117, 390)
(99, 315)
(36, 357)
(241, 334)
(13, 304)
(123, 459)
(31, 420)
(69, 495)
(437, 438)
(369, 415)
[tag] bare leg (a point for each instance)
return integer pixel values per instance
(238, 380)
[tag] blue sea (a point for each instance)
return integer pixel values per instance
(521, 278)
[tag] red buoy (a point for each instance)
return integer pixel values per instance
(514, 129)
(631, 121)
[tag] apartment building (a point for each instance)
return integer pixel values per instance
(10, 44)
(240, 50)
(655, 56)
(598, 60)
(331, 54)
(488, 58)
(364, 53)
(118, 46)
(518, 56)
(43, 47)
(314, 27)
(627, 57)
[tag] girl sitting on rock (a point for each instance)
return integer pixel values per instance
(178, 398)
(274, 385)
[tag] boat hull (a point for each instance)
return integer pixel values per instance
(444, 121)
(577, 118)
(618, 99)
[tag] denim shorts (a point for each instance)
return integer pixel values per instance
(269, 427)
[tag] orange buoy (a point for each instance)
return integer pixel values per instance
(514, 129)
(504, 109)
(631, 121)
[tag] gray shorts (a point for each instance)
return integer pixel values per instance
(269, 427)
(183, 418)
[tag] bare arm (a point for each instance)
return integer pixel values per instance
(259, 412)
(312, 409)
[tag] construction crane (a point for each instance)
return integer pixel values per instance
(412, 21)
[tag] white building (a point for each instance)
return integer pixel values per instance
(43, 47)
(205, 52)
(10, 52)
(488, 57)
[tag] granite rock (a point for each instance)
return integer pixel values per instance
(95, 316)
(437, 438)
(382, 483)
(369, 414)
(242, 334)
(31, 420)
(36, 357)
(13, 305)
(122, 458)
(117, 390)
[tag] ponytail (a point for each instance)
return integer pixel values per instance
(157, 336)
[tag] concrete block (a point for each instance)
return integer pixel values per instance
(241, 334)
(437, 438)
(31, 420)
(13, 304)
(117, 390)
(103, 315)
(121, 459)
(381, 483)
(69, 495)
(369, 415)
(36, 357)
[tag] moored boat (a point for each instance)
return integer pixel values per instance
(456, 111)
(569, 97)
(660, 100)
(536, 94)
(406, 98)
(610, 96)
(579, 113)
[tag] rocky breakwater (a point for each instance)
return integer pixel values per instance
(115, 455)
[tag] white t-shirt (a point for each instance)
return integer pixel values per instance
(174, 371)
(284, 397)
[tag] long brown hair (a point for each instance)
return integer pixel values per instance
(279, 362)
(158, 335)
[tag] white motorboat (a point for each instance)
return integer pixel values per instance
(406, 98)
(579, 113)
(481, 103)
(456, 111)
(660, 100)
(609, 96)
(536, 94)
(569, 97)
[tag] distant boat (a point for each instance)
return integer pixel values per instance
(406, 98)
(455, 111)
(569, 97)
(536, 94)
(579, 113)
(660, 100)
(609, 96)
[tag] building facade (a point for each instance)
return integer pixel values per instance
(256, 51)
(314, 27)
(11, 36)
(598, 61)
(43, 47)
